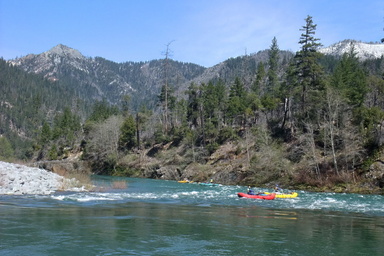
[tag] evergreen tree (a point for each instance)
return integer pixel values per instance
(273, 80)
(193, 95)
(6, 150)
(307, 71)
(66, 125)
(212, 97)
(102, 111)
(258, 86)
(350, 78)
(127, 138)
(46, 133)
(125, 103)
(237, 101)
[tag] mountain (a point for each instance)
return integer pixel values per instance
(98, 78)
(244, 67)
(38, 87)
(364, 50)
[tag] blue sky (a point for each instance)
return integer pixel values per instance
(204, 32)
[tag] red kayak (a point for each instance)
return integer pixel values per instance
(266, 197)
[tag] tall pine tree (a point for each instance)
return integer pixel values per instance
(307, 71)
(273, 63)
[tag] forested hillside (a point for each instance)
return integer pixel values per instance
(96, 79)
(26, 102)
(302, 119)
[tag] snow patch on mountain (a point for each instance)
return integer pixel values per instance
(363, 50)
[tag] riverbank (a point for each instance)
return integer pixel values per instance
(17, 179)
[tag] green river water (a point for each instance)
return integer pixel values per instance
(156, 217)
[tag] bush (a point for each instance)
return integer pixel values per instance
(212, 147)
(6, 150)
(225, 134)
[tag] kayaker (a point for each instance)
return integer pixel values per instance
(250, 191)
(278, 189)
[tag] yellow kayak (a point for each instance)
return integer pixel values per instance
(290, 195)
(185, 181)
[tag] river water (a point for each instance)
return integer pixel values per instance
(156, 217)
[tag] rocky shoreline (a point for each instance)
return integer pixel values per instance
(16, 179)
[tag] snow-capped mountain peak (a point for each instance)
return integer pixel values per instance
(363, 50)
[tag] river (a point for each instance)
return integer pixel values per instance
(157, 217)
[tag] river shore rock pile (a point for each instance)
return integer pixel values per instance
(18, 179)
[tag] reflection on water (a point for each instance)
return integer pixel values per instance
(165, 218)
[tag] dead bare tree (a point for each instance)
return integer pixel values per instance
(104, 139)
(166, 86)
(331, 115)
(309, 148)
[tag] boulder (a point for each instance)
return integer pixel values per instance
(376, 173)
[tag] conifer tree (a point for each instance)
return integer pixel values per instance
(350, 78)
(258, 86)
(46, 133)
(6, 150)
(212, 97)
(273, 63)
(236, 101)
(307, 71)
(128, 134)
(193, 105)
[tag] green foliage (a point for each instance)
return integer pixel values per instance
(273, 80)
(226, 134)
(167, 96)
(370, 120)
(259, 85)
(6, 150)
(269, 103)
(236, 101)
(193, 104)
(46, 134)
(128, 134)
(178, 135)
(125, 103)
(212, 98)
(26, 102)
(210, 132)
(253, 103)
(350, 78)
(306, 73)
(212, 147)
(53, 153)
(102, 110)
(159, 136)
(65, 127)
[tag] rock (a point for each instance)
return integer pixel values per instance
(63, 167)
(19, 179)
(376, 173)
(166, 173)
